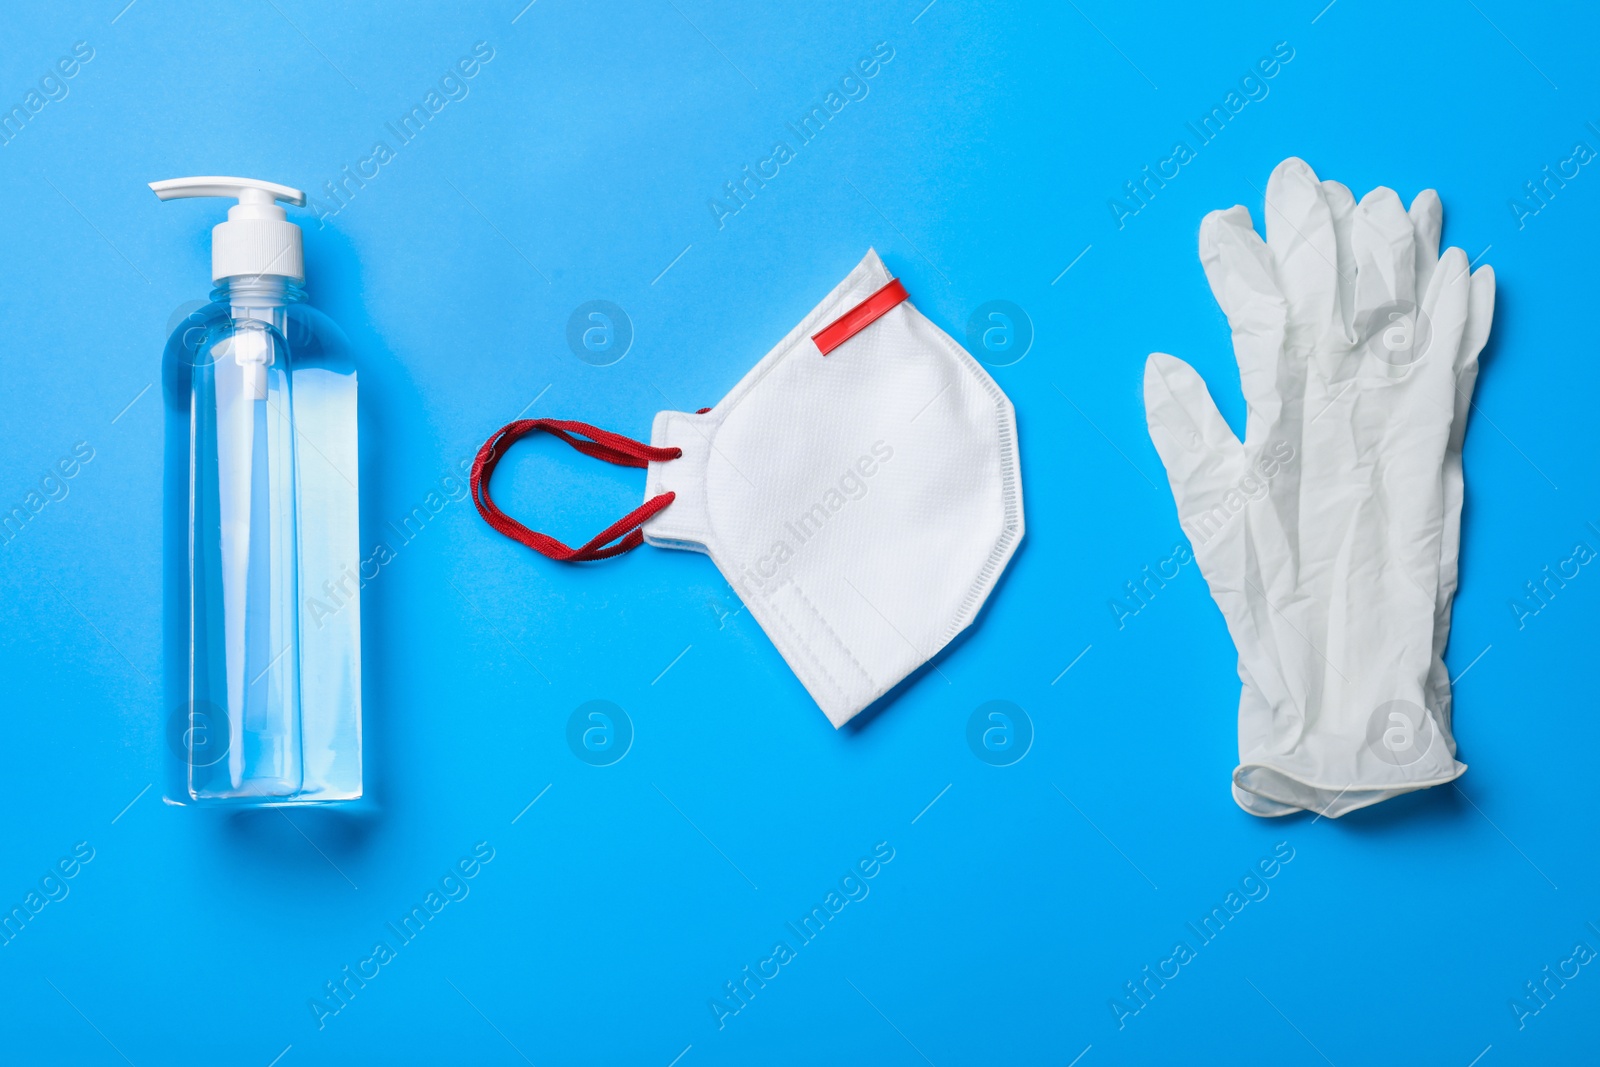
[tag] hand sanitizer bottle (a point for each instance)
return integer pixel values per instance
(274, 702)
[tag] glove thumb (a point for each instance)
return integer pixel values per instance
(1202, 456)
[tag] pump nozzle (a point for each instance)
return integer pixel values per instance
(257, 239)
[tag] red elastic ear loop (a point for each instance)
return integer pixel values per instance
(591, 441)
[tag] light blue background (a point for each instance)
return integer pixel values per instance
(980, 166)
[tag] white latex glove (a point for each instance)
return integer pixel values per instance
(1402, 737)
(1329, 536)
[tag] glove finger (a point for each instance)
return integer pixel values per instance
(1385, 253)
(1239, 268)
(1201, 455)
(1304, 249)
(1444, 318)
(1474, 335)
(1480, 309)
(1480, 312)
(1427, 221)
(1342, 206)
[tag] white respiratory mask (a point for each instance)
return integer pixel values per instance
(859, 488)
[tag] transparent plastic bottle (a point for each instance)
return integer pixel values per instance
(274, 702)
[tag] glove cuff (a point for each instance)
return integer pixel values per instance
(1269, 790)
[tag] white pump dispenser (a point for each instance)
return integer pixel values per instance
(274, 551)
(258, 239)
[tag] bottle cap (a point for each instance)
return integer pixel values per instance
(258, 239)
